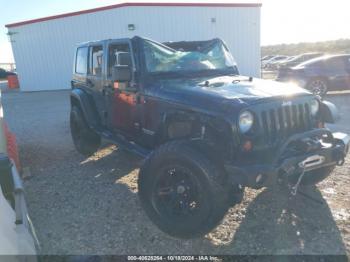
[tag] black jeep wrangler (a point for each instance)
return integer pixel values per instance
(205, 131)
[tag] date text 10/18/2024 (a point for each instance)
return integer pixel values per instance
(173, 258)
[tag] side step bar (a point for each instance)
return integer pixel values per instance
(125, 144)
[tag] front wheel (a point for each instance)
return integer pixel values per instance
(182, 191)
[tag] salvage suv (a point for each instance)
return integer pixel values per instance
(206, 132)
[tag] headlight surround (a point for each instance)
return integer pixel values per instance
(314, 107)
(246, 120)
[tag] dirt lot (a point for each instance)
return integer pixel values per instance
(90, 206)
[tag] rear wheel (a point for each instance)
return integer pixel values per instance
(86, 141)
(318, 86)
(181, 191)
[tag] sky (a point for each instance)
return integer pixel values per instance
(282, 21)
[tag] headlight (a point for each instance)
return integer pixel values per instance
(246, 120)
(314, 107)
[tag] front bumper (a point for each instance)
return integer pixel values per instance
(332, 149)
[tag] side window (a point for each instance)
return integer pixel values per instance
(113, 51)
(81, 60)
(96, 60)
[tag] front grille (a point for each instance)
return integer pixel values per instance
(283, 121)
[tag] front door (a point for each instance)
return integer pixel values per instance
(121, 98)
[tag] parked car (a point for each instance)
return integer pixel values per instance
(4, 73)
(321, 74)
(206, 131)
(17, 235)
(267, 57)
(298, 59)
(268, 64)
(266, 60)
(274, 65)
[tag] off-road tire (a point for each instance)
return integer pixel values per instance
(213, 190)
(86, 141)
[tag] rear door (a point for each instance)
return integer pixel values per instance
(95, 77)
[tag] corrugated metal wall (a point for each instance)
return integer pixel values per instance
(44, 51)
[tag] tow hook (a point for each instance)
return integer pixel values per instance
(294, 188)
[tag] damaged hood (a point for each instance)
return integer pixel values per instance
(217, 92)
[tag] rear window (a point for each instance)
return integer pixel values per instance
(81, 60)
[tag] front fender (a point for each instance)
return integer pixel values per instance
(80, 98)
(212, 131)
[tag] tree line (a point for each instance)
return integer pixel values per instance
(327, 47)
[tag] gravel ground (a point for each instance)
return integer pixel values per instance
(90, 206)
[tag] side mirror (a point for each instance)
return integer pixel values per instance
(121, 73)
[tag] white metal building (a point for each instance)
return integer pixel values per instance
(44, 48)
